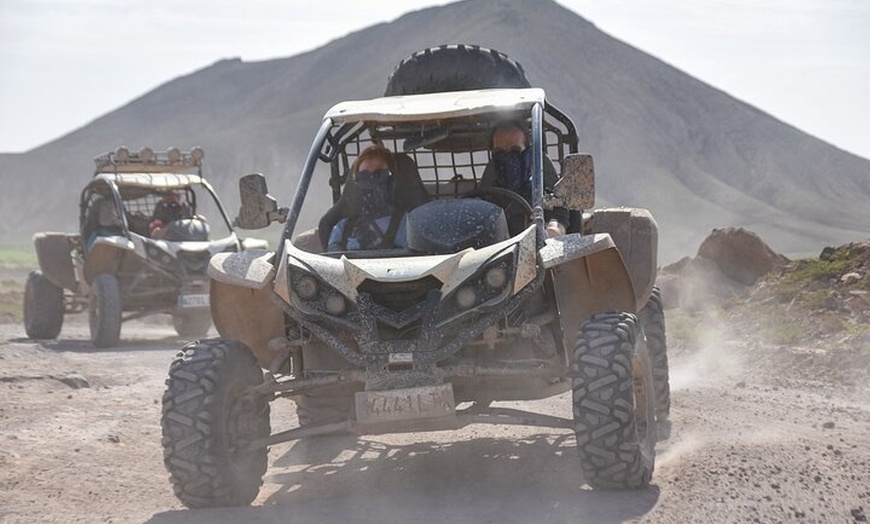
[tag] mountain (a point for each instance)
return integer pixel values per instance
(695, 156)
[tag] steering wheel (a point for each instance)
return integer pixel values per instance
(505, 198)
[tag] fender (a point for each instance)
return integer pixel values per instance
(54, 253)
(635, 233)
(241, 302)
(105, 256)
(588, 277)
(250, 269)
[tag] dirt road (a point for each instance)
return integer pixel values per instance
(760, 434)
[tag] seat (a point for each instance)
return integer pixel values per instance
(408, 193)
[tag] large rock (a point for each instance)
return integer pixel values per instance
(740, 254)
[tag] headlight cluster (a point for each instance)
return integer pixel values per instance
(158, 255)
(316, 294)
(491, 282)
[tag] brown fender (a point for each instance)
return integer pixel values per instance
(635, 233)
(54, 253)
(105, 256)
(241, 301)
(591, 284)
(247, 315)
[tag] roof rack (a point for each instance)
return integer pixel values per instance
(146, 160)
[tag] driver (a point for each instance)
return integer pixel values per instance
(511, 168)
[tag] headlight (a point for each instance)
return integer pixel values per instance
(496, 277)
(486, 287)
(309, 293)
(306, 287)
(466, 297)
(336, 304)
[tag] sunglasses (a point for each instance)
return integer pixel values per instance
(373, 176)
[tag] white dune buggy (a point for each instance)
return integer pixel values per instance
(115, 267)
(433, 335)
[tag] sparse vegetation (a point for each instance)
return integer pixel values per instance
(17, 258)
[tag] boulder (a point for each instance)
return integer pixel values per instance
(741, 255)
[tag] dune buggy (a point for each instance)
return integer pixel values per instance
(124, 263)
(430, 336)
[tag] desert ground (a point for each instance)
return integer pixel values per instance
(762, 432)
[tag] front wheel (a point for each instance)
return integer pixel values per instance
(614, 414)
(104, 311)
(43, 307)
(210, 413)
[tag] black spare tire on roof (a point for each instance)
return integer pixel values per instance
(456, 67)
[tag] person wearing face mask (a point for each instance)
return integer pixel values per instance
(374, 220)
(511, 168)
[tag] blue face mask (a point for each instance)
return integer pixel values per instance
(374, 188)
(512, 170)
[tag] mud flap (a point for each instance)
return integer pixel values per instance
(54, 252)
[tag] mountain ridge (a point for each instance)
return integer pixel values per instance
(697, 157)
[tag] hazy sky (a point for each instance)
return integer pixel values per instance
(64, 63)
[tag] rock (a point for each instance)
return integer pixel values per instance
(850, 277)
(828, 425)
(75, 381)
(740, 254)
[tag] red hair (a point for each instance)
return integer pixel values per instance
(374, 151)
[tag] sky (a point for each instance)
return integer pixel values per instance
(64, 63)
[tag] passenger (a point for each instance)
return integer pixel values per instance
(511, 168)
(168, 209)
(373, 219)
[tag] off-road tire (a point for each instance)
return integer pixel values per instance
(43, 307)
(333, 405)
(209, 410)
(192, 325)
(104, 311)
(652, 318)
(614, 416)
(455, 68)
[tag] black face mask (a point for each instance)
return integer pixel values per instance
(374, 188)
(512, 170)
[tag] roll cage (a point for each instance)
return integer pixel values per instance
(447, 135)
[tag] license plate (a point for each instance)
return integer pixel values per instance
(405, 404)
(193, 301)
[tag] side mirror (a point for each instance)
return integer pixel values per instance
(259, 208)
(576, 189)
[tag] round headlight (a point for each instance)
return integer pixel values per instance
(466, 297)
(306, 287)
(496, 277)
(196, 154)
(335, 304)
(173, 155)
(122, 154)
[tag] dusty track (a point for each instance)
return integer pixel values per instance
(760, 434)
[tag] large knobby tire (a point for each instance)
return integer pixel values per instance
(104, 311)
(193, 324)
(455, 68)
(652, 318)
(210, 411)
(614, 416)
(43, 307)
